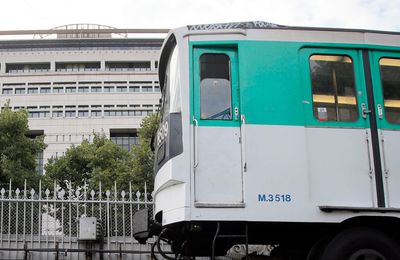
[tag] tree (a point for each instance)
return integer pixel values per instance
(106, 162)
(88, 162)
(18, 152)
(143, 156)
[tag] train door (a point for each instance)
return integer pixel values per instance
(338, 132)
(385, 70)
(218, 180)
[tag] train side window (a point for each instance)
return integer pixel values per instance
(333, 88)
(215, 87)
(390, 76)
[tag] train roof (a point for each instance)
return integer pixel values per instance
(336, 35)
(268, 25)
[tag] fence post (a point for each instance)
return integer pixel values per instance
(108, 221)
(56, 250)
(25, 251)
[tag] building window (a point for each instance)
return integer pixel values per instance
(57, 114)
(70, 113)
(79, 66)
(147, 89)
(134, 89)
(333, 88)
(156, 88)
(45, 90)
(109, 89)
(125, 138)
(7, 91)
(58, 90)
(83, 89)
(122, 89)
(39, 157)
(33, 90)
(33, 114)
(96, 89)
(95, 113)
(83, 113)
(20, 91)
(70, 89)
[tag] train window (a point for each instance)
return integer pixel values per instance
(333, 88)
(215, 87)
(390, 76)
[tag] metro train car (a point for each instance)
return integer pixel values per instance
(278, 135)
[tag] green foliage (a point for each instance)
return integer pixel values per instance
(18, 152)
(143, 156)
(105, 162)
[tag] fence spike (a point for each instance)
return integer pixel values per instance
(145, 191)
(40, 189)
(92, 193)
(9, 191)
(25, 189)
(130, 191)
(47, 192)
(115, 190)
(32, 193)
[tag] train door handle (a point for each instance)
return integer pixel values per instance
(365, 111)
(195, 136)
(380, 111)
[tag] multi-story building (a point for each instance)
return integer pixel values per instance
(80, 81)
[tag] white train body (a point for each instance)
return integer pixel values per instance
(263, 124)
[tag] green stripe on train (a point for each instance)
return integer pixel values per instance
(274, 81)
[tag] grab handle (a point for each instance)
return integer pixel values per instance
(195, 136)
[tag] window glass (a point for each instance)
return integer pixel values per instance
(96, 113)
(45, 90)
(70, 89)
(83, 89)
(57, 113)
(32, 90)
(134, 89)
(19, 91)
(70, 113)
(333, 88)
(58, 89)
(83, 113)
(215, 87)
(122, 89)
(390, 76)
(7, 91)
(96, 89)
(147, 89)
(109, 89)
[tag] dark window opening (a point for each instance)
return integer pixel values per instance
(215, 87)
(125, 138)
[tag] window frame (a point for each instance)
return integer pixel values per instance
(359, 83)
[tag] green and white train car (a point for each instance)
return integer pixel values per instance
(279, 135)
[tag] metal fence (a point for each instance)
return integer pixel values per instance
(44, 224)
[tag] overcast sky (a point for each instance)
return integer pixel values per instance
(47, 14)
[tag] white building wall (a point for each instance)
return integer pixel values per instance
(61, 132)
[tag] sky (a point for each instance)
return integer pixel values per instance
(47, 14)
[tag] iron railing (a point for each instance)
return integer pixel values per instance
(44, 223)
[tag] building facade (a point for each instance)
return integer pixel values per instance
(78, 84)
